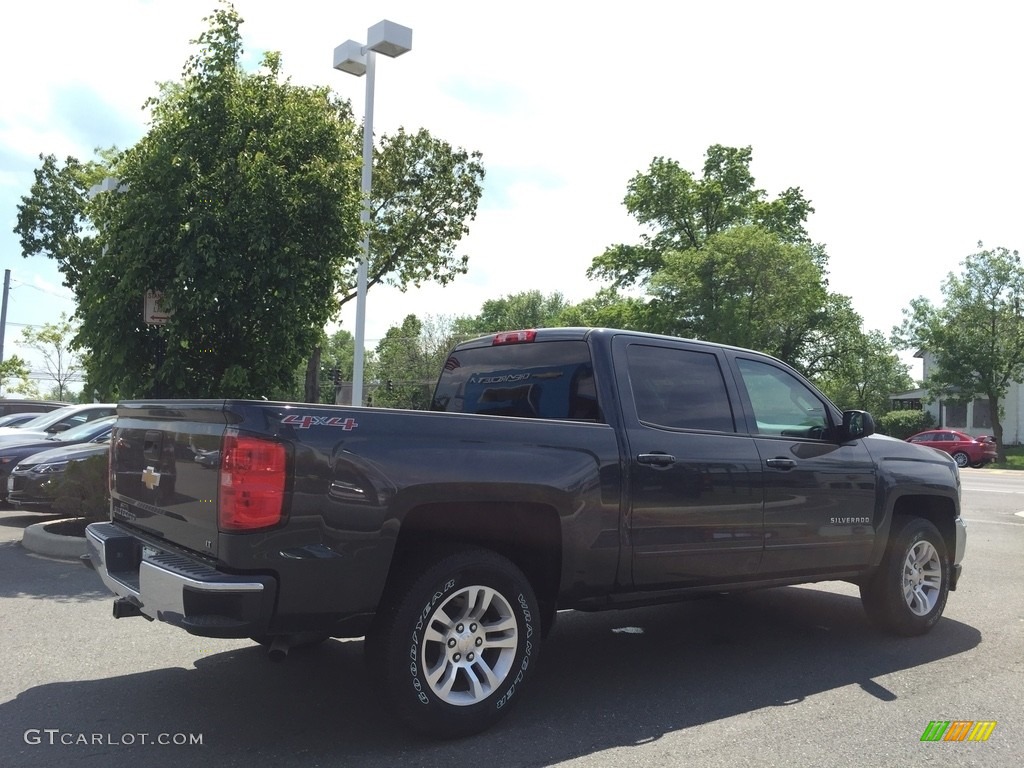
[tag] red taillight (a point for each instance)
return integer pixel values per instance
(513, 337)
(252, 480)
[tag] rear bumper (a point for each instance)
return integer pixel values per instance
(177, 589)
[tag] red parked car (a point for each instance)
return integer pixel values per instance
(965, 450)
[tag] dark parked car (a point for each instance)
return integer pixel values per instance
(25, 406)
(965, 450)
(17, 419)
(12, 453)
(35, 479)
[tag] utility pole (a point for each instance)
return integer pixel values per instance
(3, 314)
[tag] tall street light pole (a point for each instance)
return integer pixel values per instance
(357, 59)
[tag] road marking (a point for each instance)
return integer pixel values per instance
(973, 521)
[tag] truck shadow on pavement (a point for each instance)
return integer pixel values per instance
(24, 574)
(605, 680)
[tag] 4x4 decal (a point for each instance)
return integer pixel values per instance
(305, 422)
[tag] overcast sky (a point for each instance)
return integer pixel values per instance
(899, 121)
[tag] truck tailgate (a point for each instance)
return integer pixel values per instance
(165, 470)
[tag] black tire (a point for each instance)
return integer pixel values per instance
(907, 594)
(961, 459)
(455, 641)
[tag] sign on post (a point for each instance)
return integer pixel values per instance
(153, 312)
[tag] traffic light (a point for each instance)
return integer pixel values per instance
(390, 386)
(335, 376)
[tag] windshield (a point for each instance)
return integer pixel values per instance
(43, 420)
(87, 431)
(40, 423)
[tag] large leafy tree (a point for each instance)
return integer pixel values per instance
(240, 207)
(744, 286)
(681, 211)
(976, 336)
(722, 260)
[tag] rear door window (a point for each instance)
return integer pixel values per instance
(679, 389)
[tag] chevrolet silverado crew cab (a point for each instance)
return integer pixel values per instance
(567, 468)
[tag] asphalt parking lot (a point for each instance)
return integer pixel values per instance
(788, 677)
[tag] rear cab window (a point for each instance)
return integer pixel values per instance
(540, 380)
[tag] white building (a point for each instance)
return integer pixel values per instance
(975, 417)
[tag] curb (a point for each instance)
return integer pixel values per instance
(39, 540)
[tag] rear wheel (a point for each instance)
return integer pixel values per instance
(455, 641)
(908, 592)
(961, 459)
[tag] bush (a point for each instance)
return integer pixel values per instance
(82, 491)
(903, 424)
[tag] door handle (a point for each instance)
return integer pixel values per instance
(656, 459)
(780, 463)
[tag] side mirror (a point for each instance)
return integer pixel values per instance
(857, 424)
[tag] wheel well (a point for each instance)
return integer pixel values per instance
(529, 535)
(939, 511)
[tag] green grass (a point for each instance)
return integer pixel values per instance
(1014, 458)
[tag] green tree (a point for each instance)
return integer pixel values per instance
(408, 361)
(866, 375)
(608, 309)
(53, 343)
(14, 368)
(53, 218)
(976, 337)
(722, 260)
(681, 212)
(529, 309)
(240, 207)
(336, 354)
(745, 286)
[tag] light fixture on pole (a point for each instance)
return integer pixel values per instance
(357, 59)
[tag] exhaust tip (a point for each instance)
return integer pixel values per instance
(278, 650)
(124, 608)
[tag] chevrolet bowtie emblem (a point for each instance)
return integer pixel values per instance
(150, 478)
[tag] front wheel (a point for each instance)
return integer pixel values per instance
(455, 641)
(908, 592)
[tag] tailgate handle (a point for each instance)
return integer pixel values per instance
(151, 448)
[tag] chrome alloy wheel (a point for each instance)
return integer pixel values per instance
(922, 577)
(468, 646)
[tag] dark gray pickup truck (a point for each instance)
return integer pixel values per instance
(568, 468)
